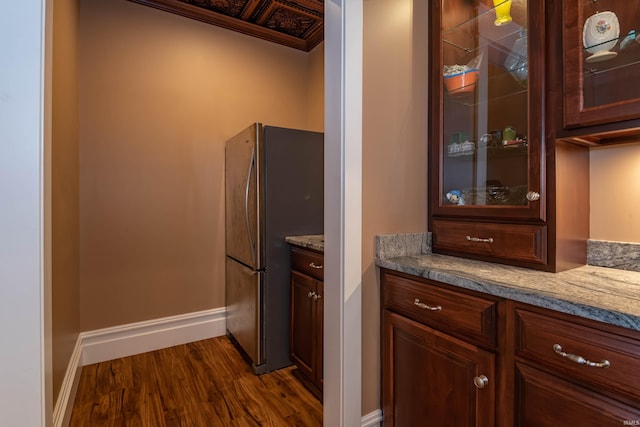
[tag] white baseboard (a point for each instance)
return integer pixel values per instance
(127, 340)
(135, 338)
(66, 397)
(372, 419)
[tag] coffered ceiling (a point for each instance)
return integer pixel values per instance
(294, 23)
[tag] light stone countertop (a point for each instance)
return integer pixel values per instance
(604, 294)
(315, 242)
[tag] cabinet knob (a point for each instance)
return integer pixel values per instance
(532, 196)
(480, 381)
(311, 294)
(317, 297)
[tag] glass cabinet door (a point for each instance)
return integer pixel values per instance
(490, 93)
(601, 61)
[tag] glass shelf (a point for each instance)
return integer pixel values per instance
(485, 173)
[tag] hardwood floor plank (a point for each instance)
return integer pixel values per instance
(200, 384)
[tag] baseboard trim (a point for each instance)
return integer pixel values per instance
(372, 419)
(67, 395)
(135, 338)
(127, 340)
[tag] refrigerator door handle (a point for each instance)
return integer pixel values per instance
(246, 206)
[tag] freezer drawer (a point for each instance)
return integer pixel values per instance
(244, 308)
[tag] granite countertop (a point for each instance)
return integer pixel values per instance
(605, 294)
(315, 242)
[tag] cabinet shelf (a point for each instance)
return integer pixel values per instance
(627, 57)
(470, 100)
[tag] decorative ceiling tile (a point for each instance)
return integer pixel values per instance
(298, 24)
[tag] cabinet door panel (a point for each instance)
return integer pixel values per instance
(543, 400)
(429, 376)
(600, 88)
(486, 109)
(302, 325)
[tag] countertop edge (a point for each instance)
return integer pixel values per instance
(410, 265)
(314, 242)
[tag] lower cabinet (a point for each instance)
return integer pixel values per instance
(434, 371)
(306, 338)
(452, 357)
(546, 400)
(434, 379)
(574, 371)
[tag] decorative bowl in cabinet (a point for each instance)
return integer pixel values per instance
(461, 83)
(599, 35)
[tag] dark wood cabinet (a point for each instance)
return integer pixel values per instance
(572, 370)
(434, 371)
(306, 339)
(503, 188)
(546, 400)
(542, 368)
(600, 62)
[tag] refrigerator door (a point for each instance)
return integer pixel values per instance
(243, 198)
(244, 305)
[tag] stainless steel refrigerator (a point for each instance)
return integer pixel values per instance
(274, 188)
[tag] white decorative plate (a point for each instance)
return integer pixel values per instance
(599, 35)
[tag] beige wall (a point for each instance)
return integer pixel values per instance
(315, 91)
(615, 188)
(64, 189)
(159, 96)
(394, 193)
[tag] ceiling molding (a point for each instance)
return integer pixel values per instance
(294, 23)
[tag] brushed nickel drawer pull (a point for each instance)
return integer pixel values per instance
(480, 381)
(579, 359)
(427, 307)
(314, 265)
(480, 239)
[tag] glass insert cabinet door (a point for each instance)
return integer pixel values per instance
(486, 115)
(601, 61)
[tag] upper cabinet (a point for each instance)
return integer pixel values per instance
(487, 90)
(601, 65)
(496, 186)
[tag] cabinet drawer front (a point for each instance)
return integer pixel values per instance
(308, 262)
(453, 312)
(545, 339)
(507, 241)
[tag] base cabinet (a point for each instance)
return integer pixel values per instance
(435, 369)
(306, 338)
(546, 400)
(478, 360)
(434, 379)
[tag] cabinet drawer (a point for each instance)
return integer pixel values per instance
(542, 339)
(308, 262)
(456, 313)
(508, 241)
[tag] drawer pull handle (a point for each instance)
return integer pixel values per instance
(480, 381)
(314, 265)
(579, 359)
(480, 239)
(313, 295)
(427, 307)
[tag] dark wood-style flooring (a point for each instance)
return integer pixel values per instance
(200, 384)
